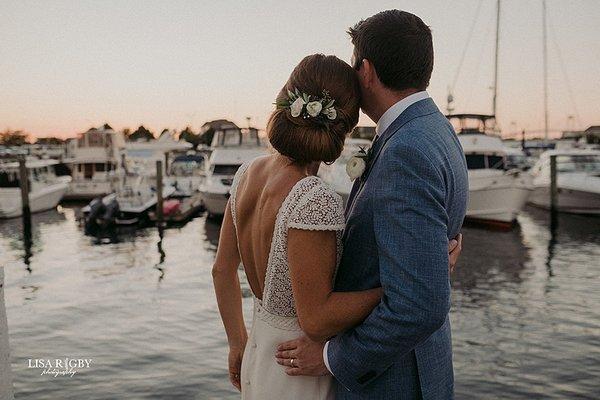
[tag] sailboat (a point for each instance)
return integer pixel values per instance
(496, 193)
(578, 170)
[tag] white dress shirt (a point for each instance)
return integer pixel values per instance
(389, 116)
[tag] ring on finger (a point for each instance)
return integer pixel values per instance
(292, 362)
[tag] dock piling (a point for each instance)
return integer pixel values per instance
(553, 185)
(6, 384)
(24, 185)
(159, 192)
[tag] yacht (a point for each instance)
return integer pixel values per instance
(45, 188)
(232, 147)
(496, 194)
(577, 180)
(187, 173)
(335, 174)
(93, 159)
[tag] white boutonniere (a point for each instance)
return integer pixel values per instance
(357, 164)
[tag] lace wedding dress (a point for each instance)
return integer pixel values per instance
(311, 205)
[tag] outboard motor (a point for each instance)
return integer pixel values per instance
(97, 208)
(111, 211)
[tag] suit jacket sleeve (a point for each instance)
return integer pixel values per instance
(410, 228)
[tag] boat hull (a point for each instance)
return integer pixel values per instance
(569, 200)
(44, 199)
(497, 199)
(89, 190)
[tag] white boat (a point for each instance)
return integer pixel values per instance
(45, 190)
(93, 158)
(577, 180)
(143, 154)
(231, 148)
(496, 194)
(128, 205)
(335, 174)
(186, 174)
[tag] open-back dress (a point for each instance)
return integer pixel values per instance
(311, 205)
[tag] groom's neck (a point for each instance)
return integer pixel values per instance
(386, 98)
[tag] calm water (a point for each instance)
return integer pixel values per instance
(526, 311)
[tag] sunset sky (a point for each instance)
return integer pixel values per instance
(68, 65)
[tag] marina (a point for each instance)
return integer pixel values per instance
(123, 126)
(119, 268)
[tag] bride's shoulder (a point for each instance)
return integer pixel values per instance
(314, 186)
(324, 189)
(317, 206)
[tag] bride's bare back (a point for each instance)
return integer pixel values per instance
(260, 194)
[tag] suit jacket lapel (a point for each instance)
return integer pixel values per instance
(418, 109)
(355, 187)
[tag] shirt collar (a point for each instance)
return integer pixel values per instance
(394, 111)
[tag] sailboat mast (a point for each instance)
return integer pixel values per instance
(545, 53)
(496, 58)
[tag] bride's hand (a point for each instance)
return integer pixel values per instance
(235, 366)
(454, 249)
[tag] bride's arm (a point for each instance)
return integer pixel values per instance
(228, 291)
(323, 313)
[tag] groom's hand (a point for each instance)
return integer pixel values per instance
(302, 356)
(454, 249)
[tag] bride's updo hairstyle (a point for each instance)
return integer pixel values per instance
(305, 139)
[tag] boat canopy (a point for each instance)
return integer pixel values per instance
(472, 123)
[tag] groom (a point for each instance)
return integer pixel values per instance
(400, 215)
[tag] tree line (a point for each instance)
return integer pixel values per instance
(10, 138)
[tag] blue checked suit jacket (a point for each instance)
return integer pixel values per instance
(411, 200)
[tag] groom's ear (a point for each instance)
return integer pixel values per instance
(368, 73)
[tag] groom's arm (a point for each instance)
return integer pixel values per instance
(410, 224)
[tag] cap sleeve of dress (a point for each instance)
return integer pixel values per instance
(320, 209)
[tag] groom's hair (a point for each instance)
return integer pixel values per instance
(400, 47)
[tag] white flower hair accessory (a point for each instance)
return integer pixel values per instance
(303, 105)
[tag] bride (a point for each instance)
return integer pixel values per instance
(284, 225)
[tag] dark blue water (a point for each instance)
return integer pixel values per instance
(526, 311)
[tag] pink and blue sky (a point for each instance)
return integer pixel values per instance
(68, 65)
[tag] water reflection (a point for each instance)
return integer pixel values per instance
(162, 254)
(212, 228)
(489, 258)
(24, 237)
(525, 309)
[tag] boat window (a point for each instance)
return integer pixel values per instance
(8, 180)
(88, 171)
(475, 161)
(495, 162)
(578, 163)
(226, 169)
(100, 167)
(230, 137)
(187, 168)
